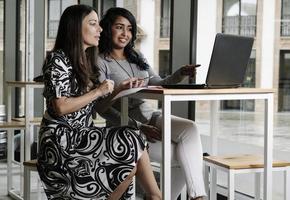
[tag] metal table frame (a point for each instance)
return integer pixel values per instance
(167, 96)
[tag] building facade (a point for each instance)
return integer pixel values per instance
(266, 21)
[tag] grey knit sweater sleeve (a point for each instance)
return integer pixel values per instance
(176, 77)
(112, 115)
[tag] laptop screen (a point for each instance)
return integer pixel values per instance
(229, 60)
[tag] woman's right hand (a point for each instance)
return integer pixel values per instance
(152, 133)
(106, 87)
(130, 83)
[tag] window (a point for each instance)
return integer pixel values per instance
(164, 64)
(55, 9)
(285, 18)
(106, 4)
(165, 19)
(239, 17)
(1, 49)
(284, 81)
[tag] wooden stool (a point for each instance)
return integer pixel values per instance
(236, 164)
(29, 166)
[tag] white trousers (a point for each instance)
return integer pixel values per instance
(186, 157)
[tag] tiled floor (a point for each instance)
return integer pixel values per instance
(16, 182)
(3, 181)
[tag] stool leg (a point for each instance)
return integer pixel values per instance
(231, 185)
(38, 189)
(183, 194)
(257, 186)
(213, 183)
(26, 183)
(21, 161)
(206, 179)
(286, 183)
(10, 149)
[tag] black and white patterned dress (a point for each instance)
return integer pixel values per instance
(77, 160)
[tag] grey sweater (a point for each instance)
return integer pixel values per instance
(139, 111)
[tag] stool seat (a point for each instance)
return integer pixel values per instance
(30, 163)
(244, 161)
(240, 164)
(12, 125)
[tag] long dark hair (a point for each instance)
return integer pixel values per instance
(106, 42)
(70, 40)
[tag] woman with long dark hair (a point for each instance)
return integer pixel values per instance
(77, 160)
(120, 62)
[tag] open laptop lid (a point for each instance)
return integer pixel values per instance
(229, 60)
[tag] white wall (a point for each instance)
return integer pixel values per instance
(267, 56)
(206, 31)
(147, 18)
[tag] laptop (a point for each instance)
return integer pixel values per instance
(228, 63)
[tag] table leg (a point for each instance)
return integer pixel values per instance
(9, 109)
(287, 183)
(268, 147)
(124, 111)
(213, 126)
(166, 149)
(231, 185)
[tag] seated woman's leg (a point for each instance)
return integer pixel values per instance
(177, 173)
(188, 152)
(144, 173)
(146, 177)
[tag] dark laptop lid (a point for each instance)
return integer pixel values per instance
(228, 63)
(229, 60)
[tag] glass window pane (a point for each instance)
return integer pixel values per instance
(56, 7)
(284, 81)
(67, 3)
(52, 28)
(239, 17)
(106, 4)
(54, 10)
(165, 19)
(1, 49)
(248, 7)
(285, 7)
(285, 18)
(231, 17)
(231, 7)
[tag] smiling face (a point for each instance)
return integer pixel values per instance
(91, 30)
(121, 32)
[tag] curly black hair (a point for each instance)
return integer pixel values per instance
(106, 42)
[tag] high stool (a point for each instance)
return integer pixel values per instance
(237, 164)
(29, 166)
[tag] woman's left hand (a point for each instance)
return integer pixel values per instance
(189, 70)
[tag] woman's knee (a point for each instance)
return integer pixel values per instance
(189, 128)
(182, 123)
(191, 125)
